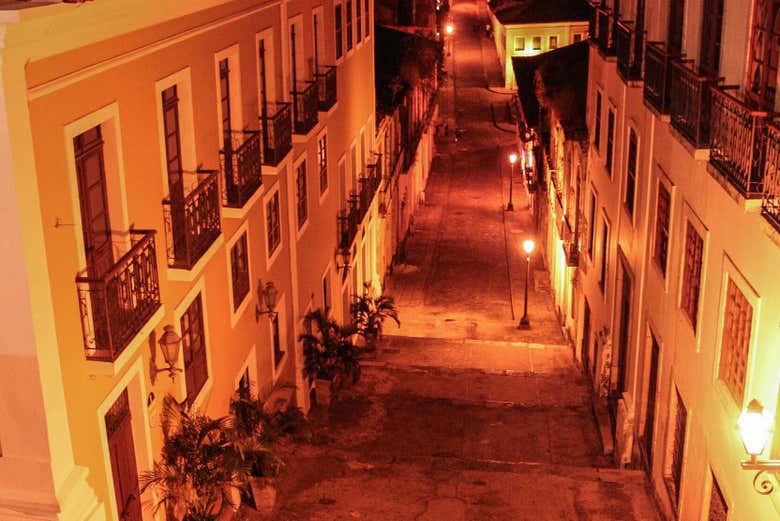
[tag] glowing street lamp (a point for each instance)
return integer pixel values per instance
(528, 247)
(512, 161)
(449, 28)
(755, 425)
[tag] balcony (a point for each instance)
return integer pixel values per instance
(593, 22)
(326, 87)
(770, 203)
(115, 306)
(305, 103)
(605, 25)
(349, 220)
(628, 48)
(658, 64)
(689, 102)
(277, 133)
(738, 141)
(192, 223)
(240, 165)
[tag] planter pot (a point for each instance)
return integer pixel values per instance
(324, 391)
(264, 493)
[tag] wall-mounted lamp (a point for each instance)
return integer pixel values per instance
(267, 295)
(169, 342)
(755, 425)
(342, 259)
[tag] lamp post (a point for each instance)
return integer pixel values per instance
(512, 161)
(448, 30)
(528, 248)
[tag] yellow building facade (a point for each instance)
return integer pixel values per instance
(165, 164)
(674, 309)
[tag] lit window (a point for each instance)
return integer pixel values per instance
(689, 300)
(737, 319)
(553, 42)
(519, 43)
(537, 43)
(577, 38)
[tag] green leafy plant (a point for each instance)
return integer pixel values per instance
(370, 312)
(249, 433)
(200, 467)
(290, 422)
(328, 350)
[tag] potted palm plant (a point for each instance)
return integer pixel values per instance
(330, 357)
(249, 420)
(200, 468)
(369, 313)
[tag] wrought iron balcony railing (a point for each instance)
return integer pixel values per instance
(604, 38)
(689, 102)
(240, 164)
(348, 221)
(277, 132)
(326, 87)
(657, 73)
(738, 141)
(305, 103)
(192, 222)
(770, 202)
(629, 48)
(115, 305)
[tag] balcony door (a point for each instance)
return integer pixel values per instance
(93, 199)
(119, 430)
(675, 29)
(763, 54)
(170, 104)
(231, 186)
(712, 26)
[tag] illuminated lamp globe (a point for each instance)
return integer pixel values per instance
(754, 427)
(528, 246)
(513, 158)
(449, 29)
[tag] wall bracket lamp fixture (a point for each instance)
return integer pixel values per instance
(755, 425)
(267, 295)
(170, 342)
(342, 259)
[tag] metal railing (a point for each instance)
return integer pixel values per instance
(770, 201)
(115, 305)
(628, 48)
(326, 87)
(348, 222)
(657, 72)
(738, 141)
(305, 103)
(240, 164)
(192, 224)
(689, 102)
(277, 132)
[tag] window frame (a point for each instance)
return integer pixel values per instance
(301, 194)
(349, 25)
(550, 39)
(536, 43)
(338, 31)
(632, 173)
(609, 153)
(322, 164)
(689, 300)
(604, 253)
(198, 289)
(237, 311)
(272, 254)
(520, 48)
(597, 120)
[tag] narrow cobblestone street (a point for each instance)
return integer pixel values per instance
(461, 415)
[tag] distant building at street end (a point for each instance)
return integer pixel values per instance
(531, 27)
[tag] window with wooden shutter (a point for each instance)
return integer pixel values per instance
(689, 299)
(339, 26)
(194, 349)
(610, 141)
(239, 270)
(272, 223)
(674, 473)
(277, 341)
(597, 123)
(301, 195)
(631, 172)
(322, 161)
(735, 346)
(662, 227)
(349, 24)
(763, 53)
